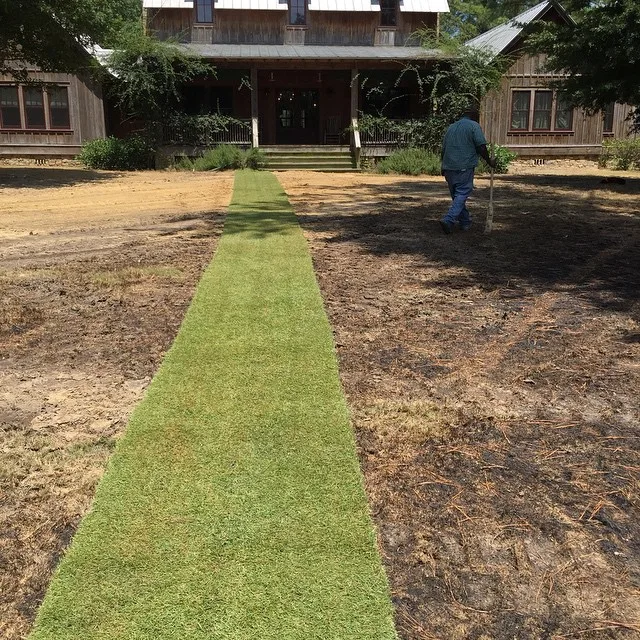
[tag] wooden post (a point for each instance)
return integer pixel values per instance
(355, 93)
(255, 141)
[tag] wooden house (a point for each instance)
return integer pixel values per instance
(298, 72)
(526, 115)
(51, 118)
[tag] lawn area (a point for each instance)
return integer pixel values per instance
(234, 505)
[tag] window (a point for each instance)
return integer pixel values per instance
(9, 108)
(34, 108)
(204, 11)
(388, 13)
(59, 108)
(297, 12)
(608, 118)
(540, 110)
(520, 110)
(542, 107)
(564, 114)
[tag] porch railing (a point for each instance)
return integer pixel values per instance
(205, 131)
(384, 136)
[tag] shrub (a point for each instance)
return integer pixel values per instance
(620, 154)
(503, 158)
(412, 162)
(122, 154)
(254, 159)
(223, 157)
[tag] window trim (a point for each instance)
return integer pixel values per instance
(207, 4)
(389, 11)
(513, 93)
(532, 111)
(609, 112)
(24, 128)
(45, 123)
(290, 22)
(19, 107)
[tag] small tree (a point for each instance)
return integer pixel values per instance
(148, 74)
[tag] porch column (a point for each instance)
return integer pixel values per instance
(355, 93)
(356, 146)
(254, 107)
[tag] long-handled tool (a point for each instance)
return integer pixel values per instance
(489, 223)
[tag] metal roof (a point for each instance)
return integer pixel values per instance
(406, 6)
(167, 4)
(262, 5)
(310, 52)
(424, 6)
(498, 39)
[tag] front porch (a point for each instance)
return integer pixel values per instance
(302, 101)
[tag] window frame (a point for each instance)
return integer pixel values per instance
(207, 6)
(47, 127)
(18, 107)
(608, 119)
(389, 14)
(290, 9)
(41, 108)
(50, 108)
(553, 113)
(513, 94)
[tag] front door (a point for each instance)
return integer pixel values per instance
(297, 120)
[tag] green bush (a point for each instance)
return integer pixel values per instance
(254, 159)
(121, 154)
(503, 158)
(411, 161)
(223, 157)
(620, 154)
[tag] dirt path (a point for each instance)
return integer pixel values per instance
(493, 383)
(96, 272)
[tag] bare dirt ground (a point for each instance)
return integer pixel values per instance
(493, 382)
(96, 272)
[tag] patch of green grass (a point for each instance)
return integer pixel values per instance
(233, 508)
(133, 275)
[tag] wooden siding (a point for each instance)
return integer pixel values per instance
(585, 137)
(270, 27)
(86, 115)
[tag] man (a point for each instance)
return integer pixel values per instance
(463, 142)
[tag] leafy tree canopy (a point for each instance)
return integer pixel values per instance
(468, 18)
(600, 54)
(48, 33)
(148, 73)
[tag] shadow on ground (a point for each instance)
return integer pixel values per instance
(34, 178)
(550, 232)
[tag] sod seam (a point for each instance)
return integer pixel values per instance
(233, 507)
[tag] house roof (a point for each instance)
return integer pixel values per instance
(499, 39)
(407, 6)
(310, 52)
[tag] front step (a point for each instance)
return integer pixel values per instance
(291, 158)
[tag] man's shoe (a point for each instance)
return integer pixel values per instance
(447, 227)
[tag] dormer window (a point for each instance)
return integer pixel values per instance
(388, 13)
(204, 11)
(298, 12)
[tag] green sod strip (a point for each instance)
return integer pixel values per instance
(233, 508)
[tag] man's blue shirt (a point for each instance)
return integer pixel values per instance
(460, 146)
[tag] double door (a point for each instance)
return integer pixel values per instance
(297, 116)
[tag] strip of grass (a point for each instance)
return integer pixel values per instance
(233, 507)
